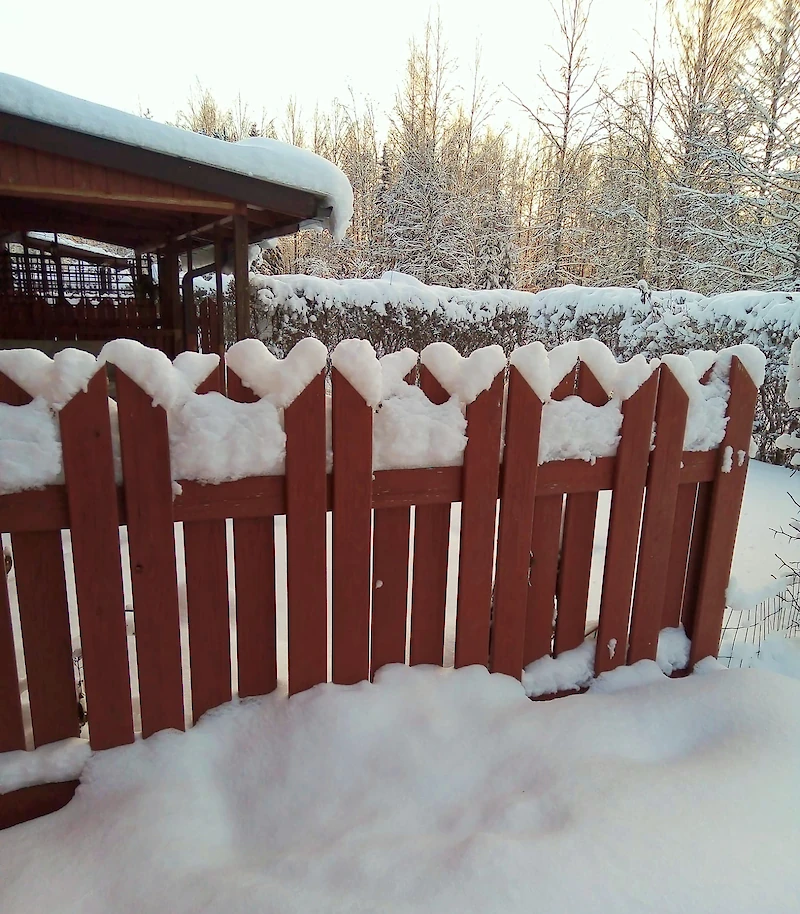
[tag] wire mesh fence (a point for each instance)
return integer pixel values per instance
(745, 631)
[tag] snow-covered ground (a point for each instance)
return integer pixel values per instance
(439, 791)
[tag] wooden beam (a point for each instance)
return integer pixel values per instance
(242, 276)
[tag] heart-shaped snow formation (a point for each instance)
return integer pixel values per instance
(280, 381)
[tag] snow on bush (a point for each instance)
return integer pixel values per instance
(397, 311)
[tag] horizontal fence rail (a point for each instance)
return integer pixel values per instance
(524, 554)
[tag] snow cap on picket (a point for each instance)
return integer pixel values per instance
(464, 378)
(532, 363)
(280, 381)
(56, 380)
(356, 361)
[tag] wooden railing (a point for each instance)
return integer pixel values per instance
(670, 544)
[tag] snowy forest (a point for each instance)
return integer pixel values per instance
(686, 174)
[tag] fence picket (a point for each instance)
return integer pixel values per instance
(147, 479)
(512, 579)
(431, 542)
(306, 535)
(352, 531)
(12, 730)
(46, 638)
(478, 516)
(723, 518)
(630, 476)
(390, 555)
(577, 543)
(254, 570)
(94, 523)
(663, 479)
(548, 514)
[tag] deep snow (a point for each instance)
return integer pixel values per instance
(439, 791)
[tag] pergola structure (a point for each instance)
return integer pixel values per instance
(73, 167)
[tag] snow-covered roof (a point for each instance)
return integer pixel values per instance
(267, 160)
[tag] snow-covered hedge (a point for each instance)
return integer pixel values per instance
(398, 311)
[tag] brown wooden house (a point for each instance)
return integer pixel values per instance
(70, 167)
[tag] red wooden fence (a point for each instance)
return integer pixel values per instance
(670, 546)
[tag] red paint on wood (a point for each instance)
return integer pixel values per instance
(578, 539)
(12, 730)
(28, 803)
(46, 638)
(723, 518)
(663, 479)
(697, 551)
(94, 520)
(512, 580)
(256, 649)
(352, 531)
(390, 586)
(209, 626)
(306, 502)
(431, 542)
(545, 546)
(254, 556)
(633, 454)
(144, 444)
(679, 555)
(478, 517)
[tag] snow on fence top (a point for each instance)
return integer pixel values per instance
(215, 439)
(258, 157)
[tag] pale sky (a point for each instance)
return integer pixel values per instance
(150, 53)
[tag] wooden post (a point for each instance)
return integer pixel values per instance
(219, 263)
(242, 276)
(189, 307)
